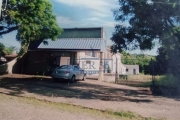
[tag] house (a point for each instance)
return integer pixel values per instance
(81, 46)
(132, 69)
(90, 61)
(114, 61)
(67, 49)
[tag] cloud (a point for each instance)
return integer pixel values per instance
(101, 8)
(64, 20)
(105, 23)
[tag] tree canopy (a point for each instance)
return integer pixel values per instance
(148, 20)
(4, 50)
(144, 61)
(1, 49)
(33, 20)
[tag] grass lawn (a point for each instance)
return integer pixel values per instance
(137, 80)
(165, 84)
(75, 109)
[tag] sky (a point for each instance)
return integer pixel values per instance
(82, 13)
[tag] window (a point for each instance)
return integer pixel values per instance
(76, 68)
(88, 53)
(65, 67)
(126, 70)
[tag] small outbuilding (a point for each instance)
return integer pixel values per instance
(132, 69)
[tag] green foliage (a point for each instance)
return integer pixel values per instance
(150, 22)
(144, 61)
(167, 85)
(147, 22)
(33, 20)
(1, 46)
(168, 81)
(9, 50)
(167, 62)
(109, 69)
(122, 114)
(6, 50)
(1, 49)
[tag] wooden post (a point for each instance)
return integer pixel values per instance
(117, 74)
(101, 75)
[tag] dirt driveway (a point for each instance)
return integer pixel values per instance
(93, 94)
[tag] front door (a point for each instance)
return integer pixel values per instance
(65, 61)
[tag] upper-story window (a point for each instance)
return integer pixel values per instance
(88, 53)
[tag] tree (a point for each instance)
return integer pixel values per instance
(149, 21)
(33, 20)
(10, 50)
(127, 58)
(1, 49)
(138, 59)
(6, 50)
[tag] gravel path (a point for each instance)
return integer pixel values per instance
(93, 94)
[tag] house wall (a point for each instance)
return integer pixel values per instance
(64, 60)
(38, 62)
(121, 69)
(132, 69)
(108, 58)
(88, 63)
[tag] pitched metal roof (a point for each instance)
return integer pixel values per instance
(75, 44)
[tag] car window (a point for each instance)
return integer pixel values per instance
(76, 67)
(65, 67)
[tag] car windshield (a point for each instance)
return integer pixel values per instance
(65, 67)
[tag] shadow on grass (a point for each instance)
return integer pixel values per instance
(161, 87)
(135, 83)
(82, 90)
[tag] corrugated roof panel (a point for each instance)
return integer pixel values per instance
(75, 43)
(81, 33)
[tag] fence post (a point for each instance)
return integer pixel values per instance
(152, 71)
(116, 75)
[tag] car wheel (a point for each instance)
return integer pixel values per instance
(73, 79)
(55, 79)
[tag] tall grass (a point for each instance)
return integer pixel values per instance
(167, 85)
(168, 81)
(140, 77)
